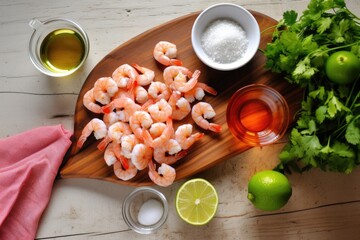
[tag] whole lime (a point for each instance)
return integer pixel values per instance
(342, 67)
(269, 190)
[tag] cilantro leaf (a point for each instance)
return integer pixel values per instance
(290, 17)
(352, 134)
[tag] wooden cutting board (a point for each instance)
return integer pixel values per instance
(211, 149)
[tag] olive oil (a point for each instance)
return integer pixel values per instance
(62, 50)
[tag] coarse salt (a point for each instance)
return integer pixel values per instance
(150, 212)
(224, 41)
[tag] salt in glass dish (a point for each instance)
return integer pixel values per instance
(232, 12)
(257, 115)
(132, 206)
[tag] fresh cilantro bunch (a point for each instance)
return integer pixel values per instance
(327, 132)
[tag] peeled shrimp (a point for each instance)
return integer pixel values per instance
(180, 106)
(198, 92)
(89, 102)
(159, 90)
(184, 136)
(126, 107)
(164, 176)
(141, 95)
(127, 144)
(160, 111)
(183, 85)
(124, 76)
(169, 153)
(139, 120)
(124, 174)
(95, 125)
(165, 53)
(104, 89)
(146, 76)
(202, 111)
(175, 72)
(157, 129)
(115, 132)
(160, 140)
(109, 155)
(110, 118)
(141, 155)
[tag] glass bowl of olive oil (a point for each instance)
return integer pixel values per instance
(58, 46)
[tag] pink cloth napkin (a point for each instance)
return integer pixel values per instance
(29, 163)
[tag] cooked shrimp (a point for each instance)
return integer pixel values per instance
(165, 53)
(117, 130)
(126, 107)
(115, 133)
(89, 102)
(169, 153)
(124, 76)
(141, 155)
(178, 72)
(127, 144)
(162, 139)
(164, 176)
(183, 85)
(110, 118)
(159, 90)
(109, 155)
(124, 174)
(139, 120)
(141, 95)
(202, 111)
(198, 92)
(184, 136)
(95, 126)
(180, 106)
(104, 89)
(146, 77)
(157, 129)
(160, 111)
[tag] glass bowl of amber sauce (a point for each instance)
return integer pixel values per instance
(257, 115)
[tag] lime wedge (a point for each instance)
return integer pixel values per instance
(196, 201)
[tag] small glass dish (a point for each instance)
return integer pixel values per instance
(133, 204)
(257, 114)
(68, 42)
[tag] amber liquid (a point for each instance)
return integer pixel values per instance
(255, 116)
(62, 50)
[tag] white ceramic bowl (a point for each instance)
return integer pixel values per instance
(232, 12)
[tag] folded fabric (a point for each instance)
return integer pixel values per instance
(29, 163)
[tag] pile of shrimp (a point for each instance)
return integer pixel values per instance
(136, 130)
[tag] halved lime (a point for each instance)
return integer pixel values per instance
(196, 201)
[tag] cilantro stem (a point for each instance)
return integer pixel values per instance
(351, 92)
(334, 48)
(268, 28)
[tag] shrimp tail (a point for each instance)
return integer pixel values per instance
(81, 142)
(181, 154)
(124, 162)
(148, 140)
(215, 127)
(176, 62)
(103, 144)
(107, 108)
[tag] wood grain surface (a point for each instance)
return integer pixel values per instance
(88, 162)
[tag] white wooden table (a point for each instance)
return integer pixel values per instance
(323, 205)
